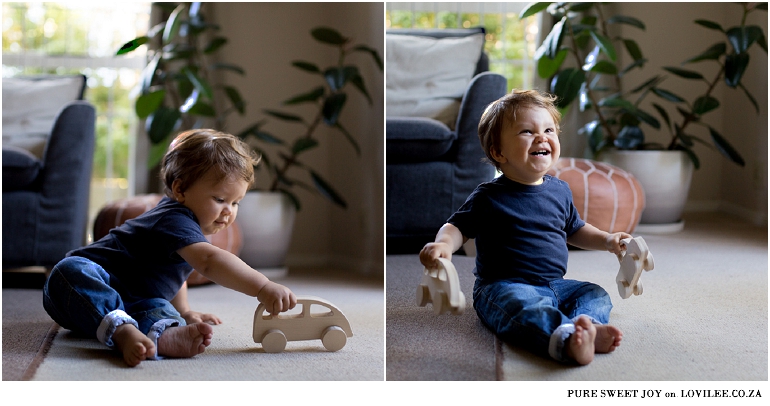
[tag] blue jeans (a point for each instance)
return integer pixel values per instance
(539, 318)
(78, 296)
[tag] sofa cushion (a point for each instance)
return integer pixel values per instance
(427, 77)
(31, 105)
(416, 139)
(20, 168)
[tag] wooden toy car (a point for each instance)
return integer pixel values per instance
(329, 325)
(633, 260)
(442, 288)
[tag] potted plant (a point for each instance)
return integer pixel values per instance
(616, 129)
(178, 92)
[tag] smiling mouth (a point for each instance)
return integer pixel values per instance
(540, 153)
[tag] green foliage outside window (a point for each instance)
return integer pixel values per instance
(506, 39)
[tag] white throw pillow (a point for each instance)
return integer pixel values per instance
(30, 107)
(427, 77)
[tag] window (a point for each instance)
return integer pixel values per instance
(510, 42)
(82, 37)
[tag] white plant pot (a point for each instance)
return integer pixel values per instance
(266, 220)
(665, 177)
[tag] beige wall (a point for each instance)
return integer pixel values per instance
(264, 39)
(672, 37)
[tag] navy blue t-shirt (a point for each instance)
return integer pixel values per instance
(140, 255)
(520, 230)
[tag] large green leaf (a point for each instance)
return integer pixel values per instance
(333, 107)
(620, 19)
(148, 73)
(629, 137)
(303, 144)
(713, 53)
(647, 118)
(725, 148)
(532, 9)
(605, 44)
(203, 109)
(751, 98)
(161, 123)
(310, 96)
(554, 39)
(199, 82)
(349, 137)
(172, 24)
(371, 51)
(326, 190)
(132, 45)
(147, 103)
(633, 49)
(742, 38)
(337, 77)
(284, 116)
(235, 98)
(665, 94)
(547, 67)
(710, 24)
(227, 66)
(328, 36)
(214, 45)
(605, 67)
(157, 151)
(306, 66)
(683, 73)
(704, 104)
(566, 85)
(735, 66)
(663, 114)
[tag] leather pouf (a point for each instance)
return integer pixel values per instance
(606, 196)
(118, 212)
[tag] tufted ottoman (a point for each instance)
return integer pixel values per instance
(606, 196)
(119, 211)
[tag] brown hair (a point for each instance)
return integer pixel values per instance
(503, 111)
(194, 152)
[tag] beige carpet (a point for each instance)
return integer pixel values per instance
(233, 355)
(702, 316)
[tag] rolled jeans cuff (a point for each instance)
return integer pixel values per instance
(155, 332)
(110, 323)
(559, 338)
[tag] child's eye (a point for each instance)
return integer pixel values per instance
(219, 200)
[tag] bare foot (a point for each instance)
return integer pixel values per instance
(134, 345)
(580, 345)
(607, 338)
(186, 341)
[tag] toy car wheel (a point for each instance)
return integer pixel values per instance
(461, 307)
(638, 288)
(423, 295)
(623, 290)
(439, 299)
(274, 341)
(334, 338)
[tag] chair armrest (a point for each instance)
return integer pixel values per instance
(66, 175)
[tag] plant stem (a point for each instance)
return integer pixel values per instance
(578, 59)
(689, 118)
(292, 159)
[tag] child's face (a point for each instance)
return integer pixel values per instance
(214, 203)
(529, 147)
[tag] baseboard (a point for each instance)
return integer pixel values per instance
(340, 262)
(754, 217)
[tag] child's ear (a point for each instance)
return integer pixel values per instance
(176, 189)
(498, 157)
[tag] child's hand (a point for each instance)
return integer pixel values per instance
(276, 298)
(431, 252)
(192, 317)
(612, 242)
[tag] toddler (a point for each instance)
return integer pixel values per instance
(522, 222)
(128, 289)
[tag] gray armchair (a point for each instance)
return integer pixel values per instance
(45, 201)
(430, 168)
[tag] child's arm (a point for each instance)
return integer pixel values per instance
(591, 238)
(448, 240)
(183, 307)
(231, 272)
